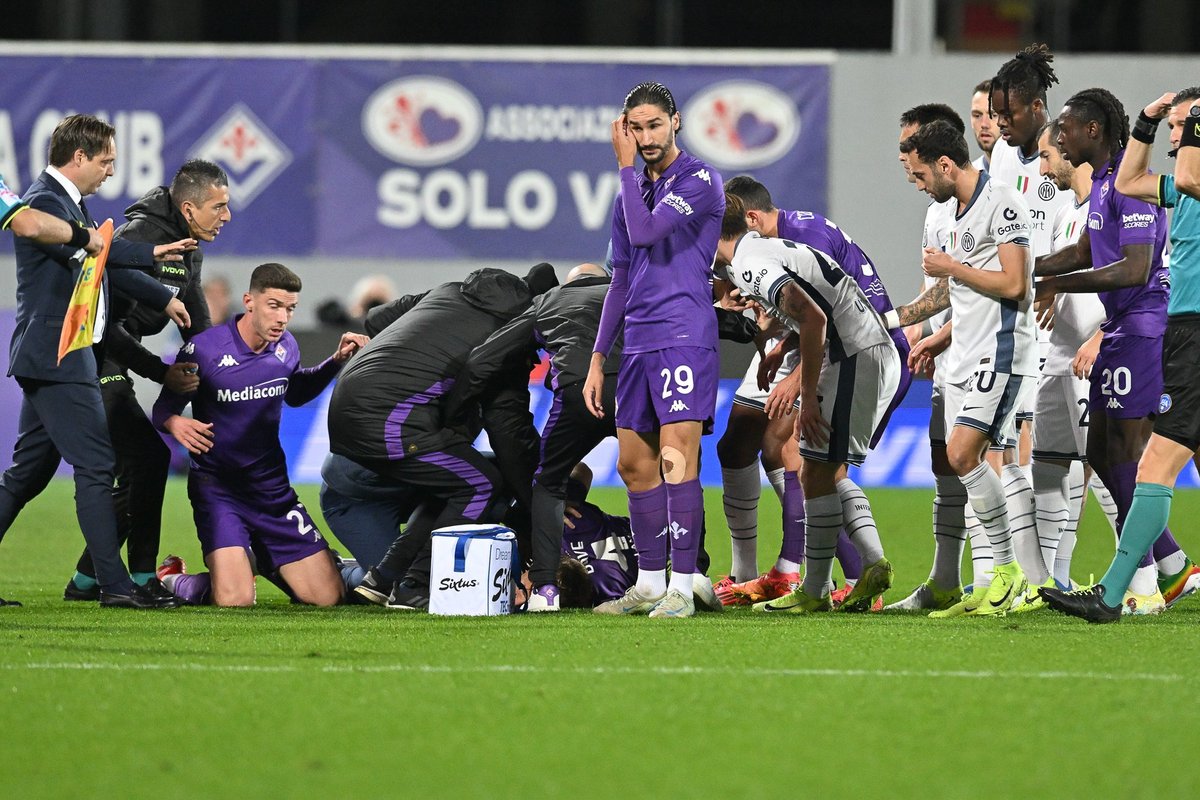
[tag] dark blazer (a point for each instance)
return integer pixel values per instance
(45, 279)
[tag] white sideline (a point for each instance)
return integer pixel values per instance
(85, 666)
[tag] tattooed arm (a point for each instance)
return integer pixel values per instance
(934, 299)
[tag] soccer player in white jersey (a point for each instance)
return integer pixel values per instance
(848, 373)
(983, 124)
(990, 289)
(1061, 405)
(1018, 99)
(943, 588)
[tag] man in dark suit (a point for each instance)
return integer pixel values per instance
(62, 415)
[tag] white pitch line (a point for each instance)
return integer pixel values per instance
(500, 669)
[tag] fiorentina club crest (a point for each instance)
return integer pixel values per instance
(247, 150)
(280, 352)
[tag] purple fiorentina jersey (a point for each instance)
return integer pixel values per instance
(822, 234)
(1113, 222)
(664, 238)
(604, 545)
(242, 394)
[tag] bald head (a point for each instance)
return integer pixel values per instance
(586, 271)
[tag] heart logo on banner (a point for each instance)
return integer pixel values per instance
(754, 132)
(438, 128)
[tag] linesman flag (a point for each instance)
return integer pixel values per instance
(81, 312)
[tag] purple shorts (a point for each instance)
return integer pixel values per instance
(270, 516)
(678, 384)
(1127, 378)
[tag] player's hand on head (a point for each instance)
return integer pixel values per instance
(571, 512)
(181, 377)
(174, 251)
(350, 344)
(1160, 107)
(623, 143)
(178, 313)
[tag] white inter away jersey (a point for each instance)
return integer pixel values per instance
(762, 267)
(1077, 316)
(939, 221)
(991, 334)
(1043, 197)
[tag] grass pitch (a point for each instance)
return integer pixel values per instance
(284, 701)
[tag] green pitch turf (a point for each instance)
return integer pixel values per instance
(283, 701)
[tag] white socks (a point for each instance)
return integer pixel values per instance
(985, 493)
(824, 521)
(1052, 495)
(949, 531)
(740, 491)
(859, 522)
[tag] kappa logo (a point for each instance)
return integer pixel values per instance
(741, 124)
(1114, 403)
(422, 120)
(704, 176)
(678, 405)
(677, 530)
(247, 149)
(227, 361)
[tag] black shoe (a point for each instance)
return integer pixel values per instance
(1083, 603)
(140, 597)
(159, 590)
(12, 603)
(408, 596)
(374, 588)
(73, 592)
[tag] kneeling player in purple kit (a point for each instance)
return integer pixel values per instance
(664, 234)
(238, 482)
(848, 373)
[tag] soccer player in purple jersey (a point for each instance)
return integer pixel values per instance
(664, 234)
(238, 482)
(1123, 244)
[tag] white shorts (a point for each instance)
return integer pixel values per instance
(854, 394)
(1028, 405)
(988, 402)
(1061, 407)
(748, 393)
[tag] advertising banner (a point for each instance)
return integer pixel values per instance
(475, 158)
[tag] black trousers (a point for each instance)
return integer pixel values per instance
(459, 478)
(143, 462)
(570, 433)
(66, 420)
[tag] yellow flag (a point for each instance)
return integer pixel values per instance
(80, 321)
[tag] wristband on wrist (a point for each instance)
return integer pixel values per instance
(1191, 133)
(891, 319)
(80, 237)
(1144, 129)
